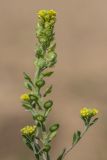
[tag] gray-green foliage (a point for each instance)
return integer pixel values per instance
(39, 137)
(45, 58)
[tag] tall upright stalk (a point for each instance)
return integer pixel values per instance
(38, 137)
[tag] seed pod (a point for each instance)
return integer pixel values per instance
(40, 83)
(48, 104)
(54, 127)
(40, 118)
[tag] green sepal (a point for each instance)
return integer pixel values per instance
(49, 90)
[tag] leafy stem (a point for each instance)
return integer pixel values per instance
(38, 137)
(78, 139)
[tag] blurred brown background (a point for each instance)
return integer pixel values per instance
(80, 77)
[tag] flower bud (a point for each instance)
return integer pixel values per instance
(88, 112)
(54, 127)
(48, 104)
(40, 83)
(28, 130)
(41, 63)
(40, 118)
(25, 97)
(51, 56)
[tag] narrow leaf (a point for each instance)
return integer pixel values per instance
(48, 74)
(27, 142)
(26, 106)
(28, 85)
(47, 112)
(94, 121)
(51, 135)
(49, 90)
(78, 135)
(27, 77)
(74, 138)
(62, 154)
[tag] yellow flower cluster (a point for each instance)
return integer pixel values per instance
(28, 130)
(25, 97)
(87, 112)
(47, 14)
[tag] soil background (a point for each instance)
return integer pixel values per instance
(80, 78)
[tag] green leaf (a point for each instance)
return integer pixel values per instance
(26, 106)
(28, 85)
(27, 142)
(54, 127)
(62, 154)
(94, 121)
(49, 90)
(48, 74)
(78, 135)
(27, 77)
(74, 138)
(47, 112)
(51, 135)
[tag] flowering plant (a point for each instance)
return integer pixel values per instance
(38, 137)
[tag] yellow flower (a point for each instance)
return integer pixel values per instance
(42, 13)
(25, 97)
(47, 14)
(51, 12)
(28, 130)
(87, 112)
(94, 111)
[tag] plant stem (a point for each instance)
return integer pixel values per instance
(34, 150)
(73, 145)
